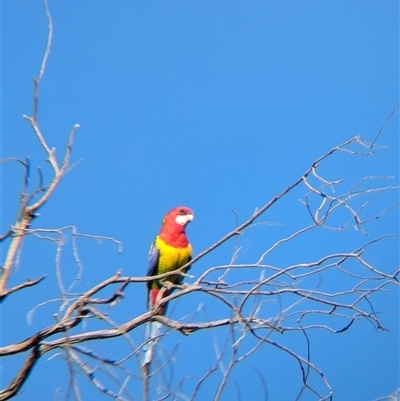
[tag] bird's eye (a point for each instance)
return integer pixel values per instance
(181, 211)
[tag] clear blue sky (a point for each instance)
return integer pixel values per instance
(217, 105)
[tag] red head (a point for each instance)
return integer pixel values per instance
(180, 216)
(173, 226)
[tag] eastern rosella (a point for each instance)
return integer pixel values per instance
(170, 251)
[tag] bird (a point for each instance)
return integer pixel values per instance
(169, 251)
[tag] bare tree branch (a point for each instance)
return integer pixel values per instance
(12, 389)
(27, 283)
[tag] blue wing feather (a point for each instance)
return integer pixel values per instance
(154, 255)
(152, 328)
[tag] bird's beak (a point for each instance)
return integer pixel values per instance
(183, 219)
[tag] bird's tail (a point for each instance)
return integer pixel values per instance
(152, 332)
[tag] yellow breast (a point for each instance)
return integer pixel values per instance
(171, 258)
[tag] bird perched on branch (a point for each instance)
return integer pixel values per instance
(170, 251)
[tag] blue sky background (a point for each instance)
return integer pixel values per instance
(217, 105)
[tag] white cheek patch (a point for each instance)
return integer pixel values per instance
(182, 220)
